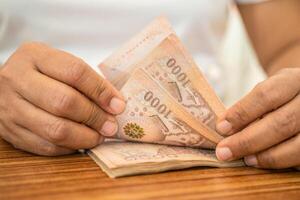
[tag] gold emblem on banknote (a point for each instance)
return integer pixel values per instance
(133, 130)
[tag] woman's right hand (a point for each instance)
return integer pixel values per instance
(53, 103)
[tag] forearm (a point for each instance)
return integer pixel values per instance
(289, 57)
(274, 30)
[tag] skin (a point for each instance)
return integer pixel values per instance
(52, 103)
(264, 126)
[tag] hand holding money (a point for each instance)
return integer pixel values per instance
(53, 103)
(264, 126)
(168, 102)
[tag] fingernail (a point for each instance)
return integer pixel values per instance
(117, 105)
(224, 127)
(109, 128)
(251, 160)
(223, 153)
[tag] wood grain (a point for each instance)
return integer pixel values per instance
(27, 176)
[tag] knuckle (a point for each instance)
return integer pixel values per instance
(77, 70)
(244, 146)
(262, 91)
(285, 123)
(29, 46)
(9, 107)
(239, 114)
(106, 95)
(3, 80)
(6, 89)
(49, 150)
(98, 89)
(28, 50)
(267, 94)
(267, 160)
(58, 131)
(292, 74)
(16, 145)
(9, 71)
(63, 103)
(95, 117)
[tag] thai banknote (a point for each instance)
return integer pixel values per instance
(120, 158)
(154, 116)
(119, 62)
(172, 68)
(168, 62)
(169, 102)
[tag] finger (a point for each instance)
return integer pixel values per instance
(6, 132)
(64, 101)
(75, 72)
(56, 130)
(284, 155)
(25, 140)
(271, 130)
(265, 97)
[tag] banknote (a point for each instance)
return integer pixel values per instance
(152, 115)
(171, 111)
(170, 64)
(160, 41)
(120, 158)
(172, 59)
(178, 74)
(135, 49)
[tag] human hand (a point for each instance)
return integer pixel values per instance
(53, 103)
(264, 126)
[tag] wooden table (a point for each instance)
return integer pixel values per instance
(26, 176)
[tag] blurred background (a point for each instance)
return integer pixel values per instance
(212, 31)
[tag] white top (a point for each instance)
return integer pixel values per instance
(92, 29)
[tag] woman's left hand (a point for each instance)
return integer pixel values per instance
(264, 127)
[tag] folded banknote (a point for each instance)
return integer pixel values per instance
(171, 112)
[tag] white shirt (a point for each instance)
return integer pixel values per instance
(93, 29)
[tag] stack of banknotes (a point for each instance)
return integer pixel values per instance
(171, 113)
